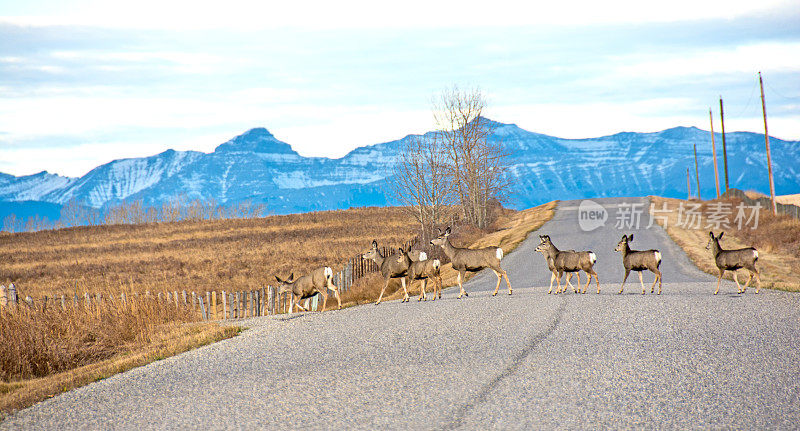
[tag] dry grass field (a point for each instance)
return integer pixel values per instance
(46, 352)
(776, 238)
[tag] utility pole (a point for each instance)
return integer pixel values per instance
(766, 140)
(714, 149)
(724, 147)
(688, 185)
(697, 173)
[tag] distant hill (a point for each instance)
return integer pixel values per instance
(256, 166)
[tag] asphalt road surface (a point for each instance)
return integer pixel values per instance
(682, 359)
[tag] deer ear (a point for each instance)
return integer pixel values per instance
(447, 231)
(711, 233)
(720, 235)
(278, 278)
(291, 277)
(630, 238)
(374, 243)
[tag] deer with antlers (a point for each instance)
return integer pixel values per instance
(473, 260)
(316, 282)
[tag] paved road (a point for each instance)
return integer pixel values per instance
(683, 359)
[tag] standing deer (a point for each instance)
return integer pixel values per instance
(423, 269)
(635, 260)
(466, 259)
(569, 261)
(318, 281)
(731, 260)
(550, 266)
(390, 268)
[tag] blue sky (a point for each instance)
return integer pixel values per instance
(86, 82)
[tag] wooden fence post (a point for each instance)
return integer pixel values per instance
(64, 301)
(214, 304)
(203, 313)
(224, 306)
(13, 298)
(3, 297)
(270, 300)
(194, 300)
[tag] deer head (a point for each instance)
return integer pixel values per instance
(373, 252)
(545, 244)
(712, 239)
(442, 238)
(285, 285)
(623, 243)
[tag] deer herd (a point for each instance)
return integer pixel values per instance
(408, 267)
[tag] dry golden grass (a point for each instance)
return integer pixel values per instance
(776, 238)
(44, 353)
(199, 256)
(788, 199)
(169, 340)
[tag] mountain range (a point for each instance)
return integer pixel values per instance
(257, 167)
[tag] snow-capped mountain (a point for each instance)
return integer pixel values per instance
(256, 166)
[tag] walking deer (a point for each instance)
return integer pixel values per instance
(318, 281)
(569, 261)
(731, 260)
(635, 260)
(390, 268)
(423, 269)
(466, 259)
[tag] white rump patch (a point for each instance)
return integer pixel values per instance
(499, 253)
(658, 256)
(437, 263)
(328, 272)
(593, 257)
(423, 256)
(755, 254)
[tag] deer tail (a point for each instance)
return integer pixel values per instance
(499, 253)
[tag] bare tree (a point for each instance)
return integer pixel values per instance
(476, 166)
(422, 184)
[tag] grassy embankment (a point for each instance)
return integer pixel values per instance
(776, 238)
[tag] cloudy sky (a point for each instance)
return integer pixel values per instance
(85, 82)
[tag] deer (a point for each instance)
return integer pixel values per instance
(569, 261)
(423, 269)
(731, 260)
(318, 281)
(636, 260)
(467, 259)
(389, 268)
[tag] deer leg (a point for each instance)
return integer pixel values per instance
(403, 283)
(552, 279)
(422, 287)
(385, 285)
(627, 272)
(460, 286)
(338, 297)
(588, 280)
(505, 274)
(747, 283)
(324, 301)
(641, 281)
(738, 286)
(595, 279)
(719, 280)
(758, 278)
(658, 277)
(578, 274)
(499, 278)
(297, 303)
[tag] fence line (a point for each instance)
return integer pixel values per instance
(765, 202)
(211, 305)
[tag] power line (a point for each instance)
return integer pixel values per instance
(779, 94)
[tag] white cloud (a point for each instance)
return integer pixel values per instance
(253, 14)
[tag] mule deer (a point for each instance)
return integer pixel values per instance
(390, 268)
(466, 259)
(635, 260)
(569, 261)
(318, 281)
(731, 260)
(423, 269)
